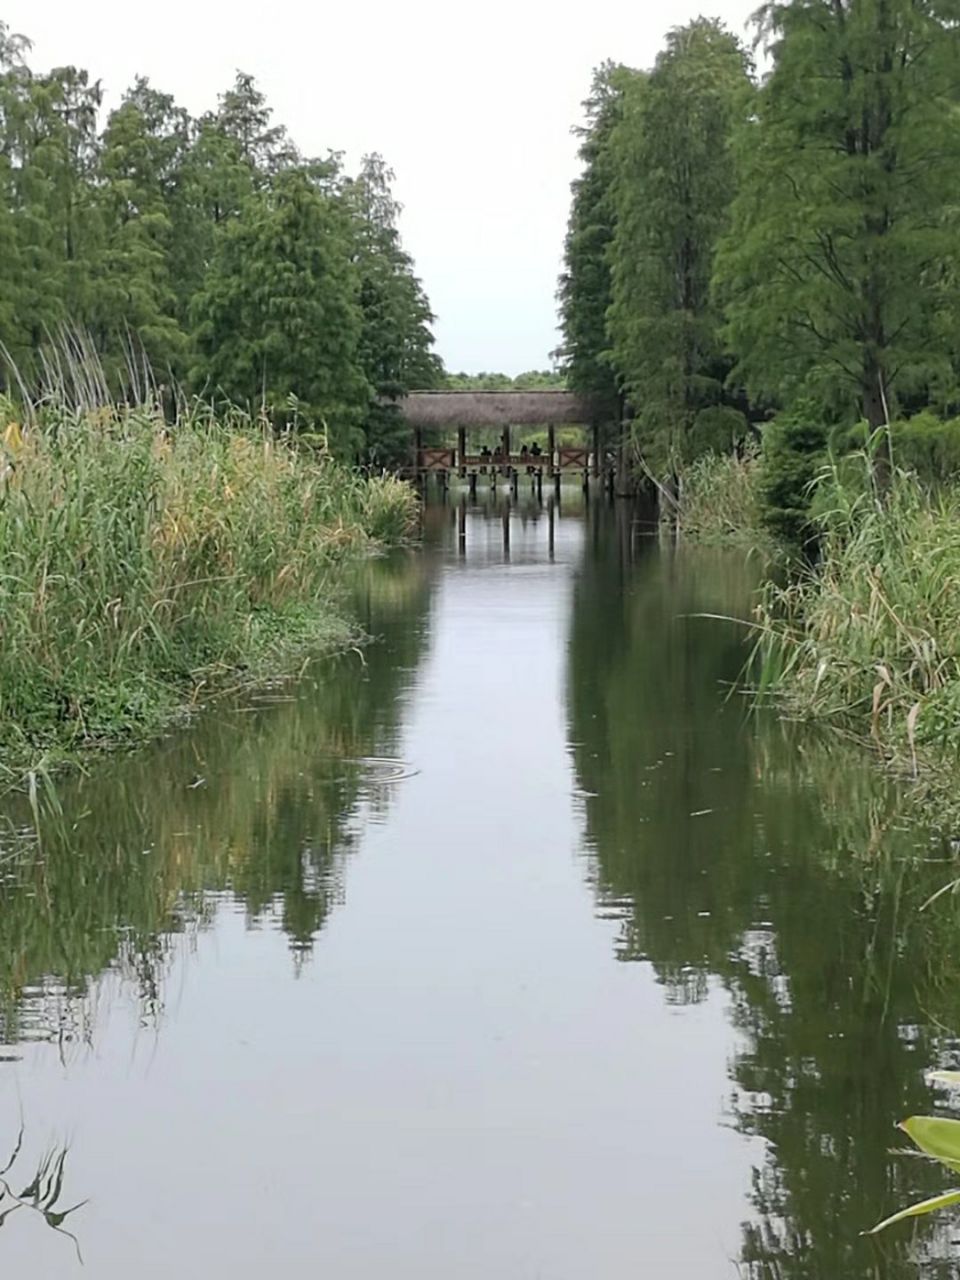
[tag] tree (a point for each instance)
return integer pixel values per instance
(674, 179)
(396, 344)
(142, 155)
(278, 317)
(838, 271)
(584, 290)
(50, 150)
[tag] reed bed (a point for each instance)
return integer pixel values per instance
(144, 562)
(869, 637)
(719, 502)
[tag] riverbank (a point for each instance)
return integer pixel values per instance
(862, 638)
(149, 566)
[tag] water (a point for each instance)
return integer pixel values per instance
(511, 948)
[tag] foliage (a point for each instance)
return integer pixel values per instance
(206, 246)
(144, 562)
(531, 380)
(674, 180)
(278, 310)
(838, 273)
(395, 338)
(866, 638)
(584, 291)
(938, 1138)
(793, 456)
(719, 501)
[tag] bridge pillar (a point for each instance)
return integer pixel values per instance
(417, 447)
(551, 446)
(596, 450)
(462, 450)
(505, 446)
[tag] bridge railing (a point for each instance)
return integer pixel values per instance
(565, 458)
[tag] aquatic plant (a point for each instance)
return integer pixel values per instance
(866, 636)
(939, 1139)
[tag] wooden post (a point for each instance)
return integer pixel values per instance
(551, 521)
(505, 447)
(514, 481)
(462, 527)
(462, 450)
(551, 446)
(473, 485)
(539, 478)
(506, 530)
(417, 448)
(556, 484)
(596, 450)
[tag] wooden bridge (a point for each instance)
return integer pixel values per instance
(471, 411)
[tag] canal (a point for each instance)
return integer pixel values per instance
(511, 946)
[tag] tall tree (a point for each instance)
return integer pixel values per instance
(839, 268)
(277, 315)
(396, 343)
(674, 182)
(584, 291)
(51, 151)
(142, 155)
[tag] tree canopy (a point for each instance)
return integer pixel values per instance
(737, 248)
(208, 252)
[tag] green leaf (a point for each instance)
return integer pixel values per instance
(942, 1201)
(937, 1137)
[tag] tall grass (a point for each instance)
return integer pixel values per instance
(869, 637)
(141, 562)
(719, 502)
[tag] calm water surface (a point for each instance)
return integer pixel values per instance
(507, 949)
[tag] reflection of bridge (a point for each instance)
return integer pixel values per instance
(472, 411)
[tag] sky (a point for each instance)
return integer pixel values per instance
(471, 107)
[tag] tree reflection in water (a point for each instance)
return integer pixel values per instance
(744, 852)
(255, 809)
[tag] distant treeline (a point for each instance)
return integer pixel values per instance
(531, 380)
(744, 246)
(210, 251)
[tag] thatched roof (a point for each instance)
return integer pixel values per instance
(497, 408)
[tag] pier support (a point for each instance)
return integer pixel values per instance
(462, 450)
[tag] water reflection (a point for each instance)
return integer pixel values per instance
(470, 1074)
(772, 861)
(255, 809)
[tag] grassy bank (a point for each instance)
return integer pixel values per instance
(867, 637)
(145, 565)
(863, 636)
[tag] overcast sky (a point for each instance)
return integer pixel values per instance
(471, 106)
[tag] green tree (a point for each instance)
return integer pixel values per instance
(396, 343)
(278, 317)
(51, 151)
(584, 291)
(674, 182)
(839, 267)
(143, 151)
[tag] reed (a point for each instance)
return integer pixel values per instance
(719, 502)
(143, 562)
(867, 637)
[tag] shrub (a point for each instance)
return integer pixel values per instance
(793, 455)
